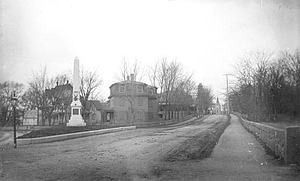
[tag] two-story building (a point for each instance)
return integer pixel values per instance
(60, 98)
(133, 102)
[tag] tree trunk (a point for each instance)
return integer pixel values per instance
(43, 117)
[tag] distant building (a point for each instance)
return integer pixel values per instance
(133, 102)
(63, 93)
(216, 108)
(97, 113)
(178, 105)
(31, 118)
(61, 97)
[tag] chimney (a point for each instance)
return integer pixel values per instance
(67, 81)
(132, 77)
(57, 83)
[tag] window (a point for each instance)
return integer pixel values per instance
(140, 101)
(121, 87)
(108, 117)
(116, 88)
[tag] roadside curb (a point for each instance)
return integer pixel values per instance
(49, 139)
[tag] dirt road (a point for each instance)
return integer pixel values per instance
(167, 153)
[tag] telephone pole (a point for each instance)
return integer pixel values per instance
(228, 109)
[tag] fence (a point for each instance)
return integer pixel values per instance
(284, 143)
(161, 122)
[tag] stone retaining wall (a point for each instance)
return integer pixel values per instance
(284, 143)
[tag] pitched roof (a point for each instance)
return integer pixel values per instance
(130, 81)
(96, 103)
(127, 82)
(58, 89)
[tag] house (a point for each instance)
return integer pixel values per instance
(179, 105)
(31, 117)
(97, 113)
(60, 98)
(133, 102)
(216, 108)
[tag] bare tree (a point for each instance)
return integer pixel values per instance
(252, 74)
(124, 71)
(36, 91)
(6, 90)
(127, 69)
(166, 75)
(289, 64)
(184, 94)
(58, 96)
(153, 74)
(204, 98)
(89, 87)
(266, 86)
(46, 94)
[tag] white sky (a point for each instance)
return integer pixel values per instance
(206, 36)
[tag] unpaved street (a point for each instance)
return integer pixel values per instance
(129, 155)
(166, 153)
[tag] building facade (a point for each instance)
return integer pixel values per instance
(133, 102)
(60, 98)
(97, 113)
(216, 108)
(31, 118)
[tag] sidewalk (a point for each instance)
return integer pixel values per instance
(239, 156)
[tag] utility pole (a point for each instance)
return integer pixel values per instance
(228, 110)
(14, 100)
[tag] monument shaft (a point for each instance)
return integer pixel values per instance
(76, 75)
(76, 118)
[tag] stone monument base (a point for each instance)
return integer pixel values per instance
(76, 120)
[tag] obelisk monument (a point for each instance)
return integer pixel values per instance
(76, 118)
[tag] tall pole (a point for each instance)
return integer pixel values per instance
(228, 111)
(227, 84)
(14, 101)
(15, 131)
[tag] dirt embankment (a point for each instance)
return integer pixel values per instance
(196, 147)
(199, 146)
